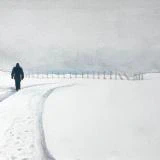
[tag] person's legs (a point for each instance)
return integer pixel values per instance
(17, 83)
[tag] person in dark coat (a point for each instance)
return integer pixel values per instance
(18, 75)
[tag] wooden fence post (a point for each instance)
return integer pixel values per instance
(104, 75)
(98, 75)
(70, 76)
(110, 75)
(127, 77)
(58, 74)
(136, 78)
(116, 75)
(120, 76)
(93, 75)
(142, 76)
(87, 75)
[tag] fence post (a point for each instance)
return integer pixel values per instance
(110, 75)
(87, 75)
(58, 74)
(120, 76)
(142, 77)
(104, 75)
(93, 75)
(126, 75)
(136, 77)
(116, 75)
(70, 76)
(98, 75)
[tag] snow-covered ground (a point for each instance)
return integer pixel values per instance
(80, 119)
(105, 120)
(21, 132)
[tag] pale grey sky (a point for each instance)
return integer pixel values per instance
(121, 34)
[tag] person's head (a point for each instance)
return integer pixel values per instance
(17, 65)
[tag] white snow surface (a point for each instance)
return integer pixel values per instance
(21, 132)
(104, 120)
(90, 119)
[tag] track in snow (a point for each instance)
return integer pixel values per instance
(24, 139)
(47, 154)
(11, 91)
(7, 92)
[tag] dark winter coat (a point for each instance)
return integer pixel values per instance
(17, 73)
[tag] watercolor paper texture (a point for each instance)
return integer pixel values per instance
(79, 79)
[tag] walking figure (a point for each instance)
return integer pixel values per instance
(18, 75)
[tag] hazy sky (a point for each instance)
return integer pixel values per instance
(53, 33)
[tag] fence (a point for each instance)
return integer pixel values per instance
(86, 75)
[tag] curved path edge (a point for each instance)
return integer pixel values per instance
(46, 152)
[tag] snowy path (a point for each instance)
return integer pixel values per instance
(5, 93)
(21, 134)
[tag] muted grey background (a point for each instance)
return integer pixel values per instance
(80, 34)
